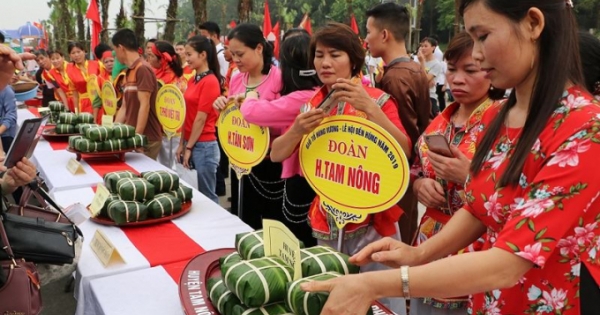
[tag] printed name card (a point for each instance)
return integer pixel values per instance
(281, 242)
(99, 199)
(105, 250)
(107, 120)
(74, 167)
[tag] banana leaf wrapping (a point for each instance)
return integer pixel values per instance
(137, 141)
(85, 118)
(64, 129)
(84, 127)
(99, 133)
(251, 245)
(163, 205)
(114, 145)
(183, 193)
(163, 181)
(135, 189)
(258, 282)
(73, 141)
(111, 179)
(321, 259)
(56, 106)
(309, 303)
(121, 131)
(271, 309)
(221, 297)
(230, 259)
(111, 198)
(122, 211)
(67, 118)
(88, 146)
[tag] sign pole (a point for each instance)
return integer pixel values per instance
(240, 196)
(170, 152)
(341, 233)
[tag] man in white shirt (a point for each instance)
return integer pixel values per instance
(211, 30)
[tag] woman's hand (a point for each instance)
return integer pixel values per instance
(354, 94)
(220, 103)
(429, 192)
(9, 61)
(179, 152)
(307, 122)
(390, 252)
(348, 295)
(23, 173)
(454, 169)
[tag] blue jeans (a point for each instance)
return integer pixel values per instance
(206, 157)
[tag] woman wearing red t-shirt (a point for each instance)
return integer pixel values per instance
(198, 143)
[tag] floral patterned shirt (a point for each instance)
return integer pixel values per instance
(551, 217)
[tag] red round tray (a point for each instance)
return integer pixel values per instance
(185, 208)
(51, 136)
(100, 155)
(205, 266)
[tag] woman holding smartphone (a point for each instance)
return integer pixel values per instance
(438, 186)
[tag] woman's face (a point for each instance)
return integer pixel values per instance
(57, 60)
(109, 63)
(153, 60)
(194, 59)
(467, 82)
(246, 59)
(180, 50)
(227, 53)
(505, 52)
(77, 55)
(331, 64)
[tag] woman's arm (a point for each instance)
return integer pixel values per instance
(287, 143)
(63, 96)
(279, 113)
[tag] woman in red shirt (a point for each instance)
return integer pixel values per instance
(83, 75)
(198, 146)
(60, 79)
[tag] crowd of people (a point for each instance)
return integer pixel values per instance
(512, 218)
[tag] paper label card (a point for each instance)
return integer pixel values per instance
(107, 120)
(102, 194)
(105, 250)
(74, 167)
(281, 242)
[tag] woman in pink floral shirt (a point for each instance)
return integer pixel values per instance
(534, 188)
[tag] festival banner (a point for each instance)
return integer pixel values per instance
(355, 166)
(244, 143)
(170, 109)
(109, 99)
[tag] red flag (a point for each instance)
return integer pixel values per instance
(232, 24)
(353, 24)
(305, 24)
(42, 41)
(267, 26)
(94, 15)
(277, 33)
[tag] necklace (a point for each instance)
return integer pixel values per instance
(247, 78)
(510, 141)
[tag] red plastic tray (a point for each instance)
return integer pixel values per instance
(185, 208)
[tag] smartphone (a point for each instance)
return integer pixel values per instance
(25, 141)
(327, 103)
(438, 144)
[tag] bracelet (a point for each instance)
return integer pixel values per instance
(189, 148)
(404, 277)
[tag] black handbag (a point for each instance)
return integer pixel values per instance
(40, 241)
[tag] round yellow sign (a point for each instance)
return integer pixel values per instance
(245, 144)
(109, 99)
(92, 87)
(170, 108)
(355, 166)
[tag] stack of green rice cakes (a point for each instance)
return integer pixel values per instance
(152, 195)
(69, 123)
(95, 138)
(253, 284)
(56, 108)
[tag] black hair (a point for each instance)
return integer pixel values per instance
(341, 37)
(211, 27)
(126, 38)
(152, 40)
(590, 59)
(251, 36)
(294, 32)
(56, 51)
(181, 43)
(73, 45)
(294, 58)
(100, 50)
(204, 44)
(392, 17)
(2, 39)
(41, 52)
(175, 64)
(432, 41)
(558, 45)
